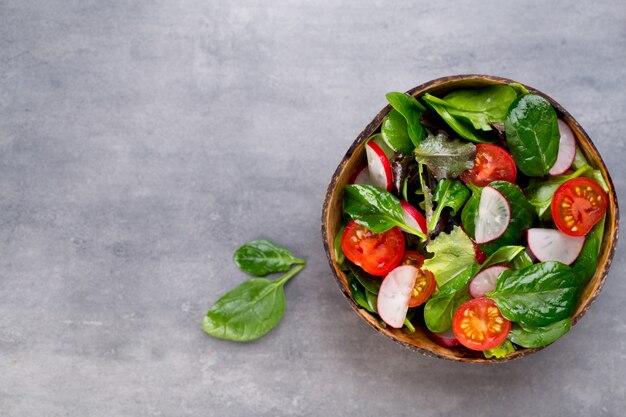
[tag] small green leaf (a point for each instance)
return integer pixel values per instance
(262, 257)
(375, 209)
(367, 281)
(541, 191)
(412, 110)
(532, 134)
(459, 126)
(395, 134)
(537, 295)
(339, 256)
(250, 310)
(445, 157)
(500, 351)
(521, 261)
(503, 255)
(587, 262)
(448, 193)
(534, 337)
(440, 308)
(452, 253)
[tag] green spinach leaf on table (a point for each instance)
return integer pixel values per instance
(412, 110)
(532, 134)
(375, 209)
(534, 337)
(445, 157)
(250, 310)
(537, 295)
(262, 257)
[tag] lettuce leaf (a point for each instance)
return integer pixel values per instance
(452, 253)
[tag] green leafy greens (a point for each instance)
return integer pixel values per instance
(532, 134)
(445, 157)
(262, 257)
(452, 253)
(449, 193)
(534, 337)
(412, 110)
(395, 134)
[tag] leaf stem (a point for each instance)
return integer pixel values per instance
(299, 261)
(292, 272)
(409, 326)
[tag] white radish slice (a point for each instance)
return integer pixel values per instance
(494, 215)
(567, 150)
(394, 295)
(485, 280)
(445, 339)
(413, 217)
(378, 166)
(362, 176)
(554, 245)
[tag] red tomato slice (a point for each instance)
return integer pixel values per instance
(480, 255)
(578, 205)
(377, 254)
(423, 287)
(479, 325)
(412, 258)
(491, 163)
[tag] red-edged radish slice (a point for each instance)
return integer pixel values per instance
(378, 166)
(362, 176)
(445, 339)
(485, 280)
(394, 295)
(413, 217)
(494, 215)
(567, 150)
(378, 140)
(554, 245)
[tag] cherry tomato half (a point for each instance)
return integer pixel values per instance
(479, 325)
(480, 255)
(423, 287)
(378, 253)
(412, 258)
(491, 163)
(578, 205)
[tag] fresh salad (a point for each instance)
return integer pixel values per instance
(477, 215)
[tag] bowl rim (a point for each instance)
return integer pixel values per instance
(373, 125)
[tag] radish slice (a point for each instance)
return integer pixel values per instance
(554, 245)
(567, 150)
(378, 140)
(485, 280)
(494, 215)
(378, 166)
(445, 339)
(394, 295)
(362, 176)
(412, 217)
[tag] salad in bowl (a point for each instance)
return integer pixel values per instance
(472, 219)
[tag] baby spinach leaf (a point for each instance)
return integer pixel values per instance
(540, 191)
(375, 209)
(503, 255)
(412, 110)
(459, 126)
(537, 295)
(500, 351)
(481, 107)
(395, 134)
(534, 337)
(445, 157)
(449, 193)
(587, 262)
(250, 310)
(262, 257)
(369, 282)
(532, 134)
(440, 308)
(357, 292)
(519, 89)
(452, 253)
(470, 211)
(339, 256)
(522, 260)
(522, 215)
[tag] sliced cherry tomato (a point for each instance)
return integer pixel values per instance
(412, 258)
(480, 255)
(578, 205)
(479, 325)
(491, 163)
(378, 253)
(423, 287)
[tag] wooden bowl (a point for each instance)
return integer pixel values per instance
(355, 157)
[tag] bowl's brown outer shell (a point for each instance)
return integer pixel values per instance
(355, 157)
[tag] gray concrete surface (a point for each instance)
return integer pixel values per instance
(142, 142)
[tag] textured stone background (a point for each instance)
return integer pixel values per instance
(142, 142)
